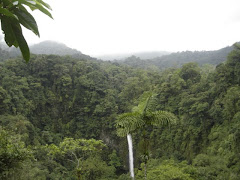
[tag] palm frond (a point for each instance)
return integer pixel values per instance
(128, 122)
(142, 115)
(152, 103)
(146, 102)
(161, 118)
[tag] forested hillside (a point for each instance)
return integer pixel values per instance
(45, 47)
(179, 58)
(58, 114)
(161, 60)
(52, 47)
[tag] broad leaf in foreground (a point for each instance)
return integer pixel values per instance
(13, 14)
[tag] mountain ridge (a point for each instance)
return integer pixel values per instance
(45, 47)
(177, 59)
(142, 55)
(160, 60)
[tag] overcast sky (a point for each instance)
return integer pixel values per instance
(99, 27)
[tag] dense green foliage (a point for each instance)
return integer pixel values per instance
(57, 119)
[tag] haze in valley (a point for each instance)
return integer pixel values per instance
(106, 27)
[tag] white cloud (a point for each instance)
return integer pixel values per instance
(114, 26)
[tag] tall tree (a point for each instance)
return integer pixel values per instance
(143, 117)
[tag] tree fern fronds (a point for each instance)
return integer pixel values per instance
(161, 118)
(147, 102)
(128, 122)
(144, 116)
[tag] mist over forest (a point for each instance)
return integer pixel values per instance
(144, 60)
(63, 115)
(119, 90)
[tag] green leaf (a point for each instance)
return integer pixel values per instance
(10, 38)
(37, 5)
(27, 20)
(14, 36)
(6, 3)
(13, 14)
(21, 42)
(43, 10)
(7, 13)
(45, 4)
(30, 4)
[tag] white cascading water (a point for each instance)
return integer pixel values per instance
(130, 148)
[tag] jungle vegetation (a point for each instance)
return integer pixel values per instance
(58, 119)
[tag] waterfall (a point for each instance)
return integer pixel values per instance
(130, 148)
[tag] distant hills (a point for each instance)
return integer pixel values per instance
(142, 55)
(179, 58)
(52, 47)
(145, 60)
(45, 47)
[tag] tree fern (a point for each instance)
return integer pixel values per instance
(141, 117)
